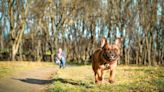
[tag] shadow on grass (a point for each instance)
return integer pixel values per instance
(35, 81)
(75, 83)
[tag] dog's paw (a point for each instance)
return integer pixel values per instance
(111, 81)
(98, 82)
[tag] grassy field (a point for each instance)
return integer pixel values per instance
(81, 79)
(11, 67)
(128, 79)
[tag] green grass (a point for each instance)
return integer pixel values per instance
(11, 67)
(128, 79)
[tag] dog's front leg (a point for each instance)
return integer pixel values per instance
(98, 76)
(100, 73)
(112, 75)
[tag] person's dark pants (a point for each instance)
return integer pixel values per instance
(62, 64)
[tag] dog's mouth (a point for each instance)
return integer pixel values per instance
(110, 56)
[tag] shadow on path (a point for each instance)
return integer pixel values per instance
(43, 81)
(35, 81)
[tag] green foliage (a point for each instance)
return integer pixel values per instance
(5, 50)
(49, 52)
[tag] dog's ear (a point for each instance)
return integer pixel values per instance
(118, 42)
(103, 42)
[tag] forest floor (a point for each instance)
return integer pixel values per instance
(25, 77)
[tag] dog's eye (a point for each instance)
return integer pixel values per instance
(115, 50)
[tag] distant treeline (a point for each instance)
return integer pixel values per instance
(33, 30)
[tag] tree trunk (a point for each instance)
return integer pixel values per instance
(137, 57)
(38, 50)
(1, 40)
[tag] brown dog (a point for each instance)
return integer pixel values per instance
(105, 58)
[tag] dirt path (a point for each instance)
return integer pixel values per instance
(28, 81)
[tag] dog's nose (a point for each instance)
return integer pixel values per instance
(112, 54)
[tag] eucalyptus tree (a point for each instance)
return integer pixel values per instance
(17, 12)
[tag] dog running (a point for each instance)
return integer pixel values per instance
(105, 58)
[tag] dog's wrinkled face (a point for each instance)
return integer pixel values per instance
(111, 52)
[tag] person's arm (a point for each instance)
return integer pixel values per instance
(59, 56)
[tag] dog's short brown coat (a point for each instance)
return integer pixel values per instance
(105, 58)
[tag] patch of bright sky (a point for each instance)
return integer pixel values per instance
(105, 31)
(118, 34)
(0, 14)
(159, 12)
(104, 3)
(159, 9)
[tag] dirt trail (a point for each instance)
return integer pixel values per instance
(28, 81)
